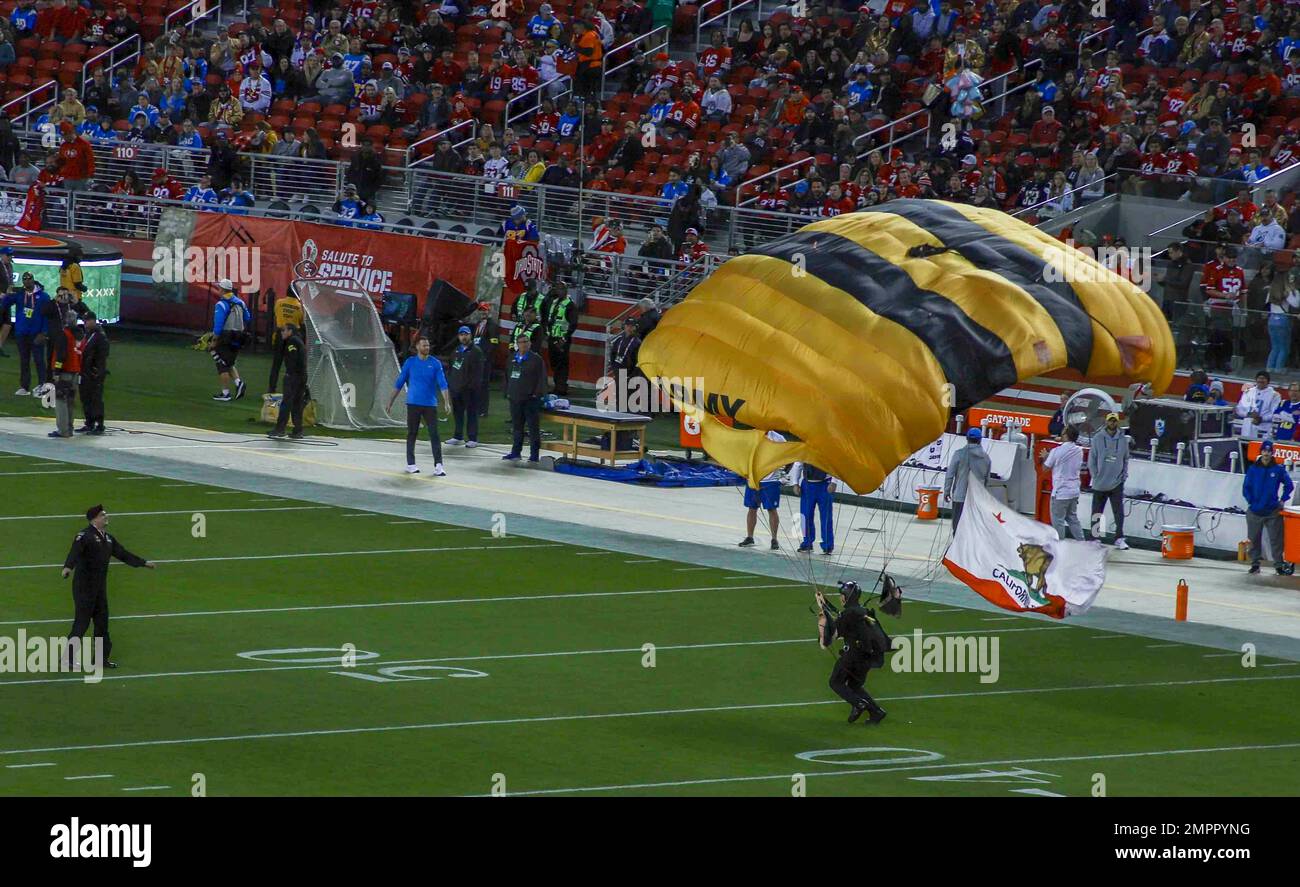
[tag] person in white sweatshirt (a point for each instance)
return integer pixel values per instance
(1065, 462)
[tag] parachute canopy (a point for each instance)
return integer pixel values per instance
(860, 335)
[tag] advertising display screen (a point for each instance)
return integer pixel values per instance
(103, 279)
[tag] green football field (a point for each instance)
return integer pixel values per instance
(487, 662)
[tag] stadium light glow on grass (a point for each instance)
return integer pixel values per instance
(301, 649)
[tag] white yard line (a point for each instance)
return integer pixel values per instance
(171, 486)
(334, 666)
(1162, 646)
(45, 473)
(146, 788)
(97, 776)
(1111, 637)
(863, 771)
(270, 557)
(550, 719)
(25, 766)
(423, 603)
(117, 514)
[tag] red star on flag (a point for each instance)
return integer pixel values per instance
(998, 516)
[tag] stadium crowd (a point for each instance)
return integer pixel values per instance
(1153, 98)
(1035, 107)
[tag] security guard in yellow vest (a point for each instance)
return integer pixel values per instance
(531, 297)
(561, 321)
(287, 312)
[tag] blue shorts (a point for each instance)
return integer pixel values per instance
(768, 495)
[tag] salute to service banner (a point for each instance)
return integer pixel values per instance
(1020, 564)
(374, 262)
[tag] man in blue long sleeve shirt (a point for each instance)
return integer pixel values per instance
(30, 331)
(1264, 507)
(423, 377)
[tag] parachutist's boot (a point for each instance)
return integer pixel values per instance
(877, 713)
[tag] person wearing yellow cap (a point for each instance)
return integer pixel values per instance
(1108, 468)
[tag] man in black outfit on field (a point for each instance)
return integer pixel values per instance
(94, 370)
(865, 646)
(87, 563)
(293, 355)
(525, 385)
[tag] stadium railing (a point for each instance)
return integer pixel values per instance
(711, 12)
(110, 58)
(1226, 189)
(1077, 201)
(1240, 335)
(192, 12)
(655, 41)
(670, 287)
(31, 103)
(461, 134)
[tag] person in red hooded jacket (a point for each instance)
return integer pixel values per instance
(34, 205)
(77, 160)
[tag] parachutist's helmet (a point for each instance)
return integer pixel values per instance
(851, 592)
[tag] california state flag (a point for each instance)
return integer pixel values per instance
(1021, 564)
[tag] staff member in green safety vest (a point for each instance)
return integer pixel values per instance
(561, 321)
(531, 297)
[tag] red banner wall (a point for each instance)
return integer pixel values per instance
(373, 261)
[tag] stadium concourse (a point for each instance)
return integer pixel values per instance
(698, 526)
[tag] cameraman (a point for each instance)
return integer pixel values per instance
(230, 332)
(65, 359)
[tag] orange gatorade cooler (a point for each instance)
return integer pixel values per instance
(927, 503)
(1178, 543)
(1291, 535)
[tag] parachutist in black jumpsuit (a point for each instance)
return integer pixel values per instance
(88, 560)
(865, 646)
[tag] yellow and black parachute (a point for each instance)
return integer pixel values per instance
(860, 335)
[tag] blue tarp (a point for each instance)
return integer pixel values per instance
(662, 473)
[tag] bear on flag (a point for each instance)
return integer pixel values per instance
(1020, 564)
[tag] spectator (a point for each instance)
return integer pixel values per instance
(76, 158)
(1267, 487)
(255, 90)
(223, 161)
(348, 206)
(1256, 407)
(336, 85)
(1066, 462)
(366, 171)
(1108, 456)
(1283, 301)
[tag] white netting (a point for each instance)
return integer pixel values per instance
(351, 364)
